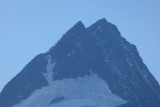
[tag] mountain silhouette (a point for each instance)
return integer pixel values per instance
(87, 67)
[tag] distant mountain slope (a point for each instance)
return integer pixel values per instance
(88, 67)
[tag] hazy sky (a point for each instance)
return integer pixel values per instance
(30, 27)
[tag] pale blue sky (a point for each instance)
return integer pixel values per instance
(30, 27)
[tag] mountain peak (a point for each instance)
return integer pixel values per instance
(83, 59)
(100, 23)
(102, 20)
(78, 27)
(79, 24)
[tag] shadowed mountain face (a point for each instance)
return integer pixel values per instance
(81, 52)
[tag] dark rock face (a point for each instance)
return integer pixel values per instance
(21, 86)
(98, 48)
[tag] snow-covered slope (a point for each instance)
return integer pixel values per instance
(87, 91)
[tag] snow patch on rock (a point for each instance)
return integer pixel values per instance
(49, 68)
